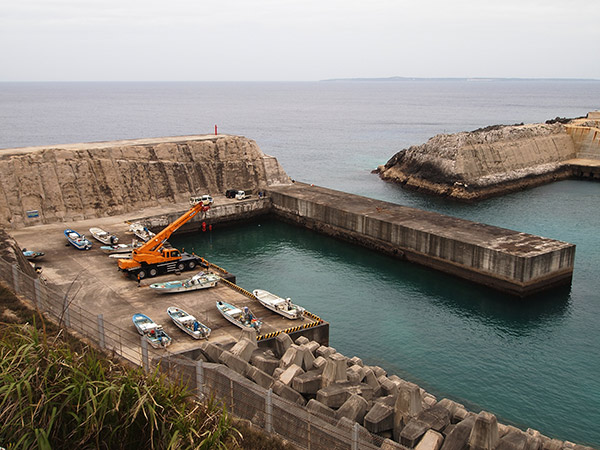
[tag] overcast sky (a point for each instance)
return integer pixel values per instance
(231, 40)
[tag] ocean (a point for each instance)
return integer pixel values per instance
(532, 362)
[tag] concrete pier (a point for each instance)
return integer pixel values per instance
(517, 263)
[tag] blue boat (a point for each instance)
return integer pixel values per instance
(77, 240)
(31, 254)
(151, 331)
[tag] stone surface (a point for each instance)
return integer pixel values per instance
(325, 351)
(318, 408)
(484, 435)
(513, 441)
(319, 364)
(244, 348)
(333, 395)
(213, 351)
(388, 444)
(308, 358)
(282, 342)
(379, 418)
(235, 363)
(432, 440)
(291, 356)
(408, 405)
(355, 373)
(261, 378)
(335, 370)
(302, 340)
(355, 360)
(388, 386)
(437, 417)
(264, 362)
(459, 436)
(412, 432)
(307, 383)
(288, 393)
(354, 408)
(313, 346)
(289, 374)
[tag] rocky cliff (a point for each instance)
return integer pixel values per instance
(483, 163)
(78, 181)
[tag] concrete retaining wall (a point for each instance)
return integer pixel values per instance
(517, 263)
(586, 141)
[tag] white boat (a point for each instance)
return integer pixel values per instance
(240, 318)
(153, 333)
(285, 307)
(201, 280)
(188, 323)
(104, 236)
(141, 231)
(121, 248)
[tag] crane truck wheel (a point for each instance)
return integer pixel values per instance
(180, 266)
(152, 272)
(142, 274)
(192, 264)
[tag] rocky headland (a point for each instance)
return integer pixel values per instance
(494, 160)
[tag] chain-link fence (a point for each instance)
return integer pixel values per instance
(243, 398)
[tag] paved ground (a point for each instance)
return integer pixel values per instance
(98, 286)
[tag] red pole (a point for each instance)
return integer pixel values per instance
(215, 130)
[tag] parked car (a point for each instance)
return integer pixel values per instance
(241, 195)
(206, 200)
(231, 193)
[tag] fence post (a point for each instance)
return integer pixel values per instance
(355, 436)
(145, 361)
(66, 318)
(15, 276)
(37, 293)
(269, 411)
(199, 378)
(101, 337)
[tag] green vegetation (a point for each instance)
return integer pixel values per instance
(57, 392)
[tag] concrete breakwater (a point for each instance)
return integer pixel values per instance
(383, 411)
(498, 159)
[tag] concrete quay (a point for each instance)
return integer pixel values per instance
(516, 263)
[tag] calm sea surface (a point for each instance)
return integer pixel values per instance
(534, 363)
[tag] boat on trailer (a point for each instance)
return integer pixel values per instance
(188, 323)
(201, 280)
(242, 318)
(153, 332)
(77, 240)
(283, 306)
(104, 236)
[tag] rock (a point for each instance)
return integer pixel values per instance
(302, 340)
(458, 438)
(318, 408)
(412, 432)
(289, 374)
(354, 408)
(484, 435)
(244, 348)
(283, 341)
(264, 362)
(431, 441)
(288, 393)
(235, 363)
(335, 370)
(379, 418)
(307, 383)
(261, 378)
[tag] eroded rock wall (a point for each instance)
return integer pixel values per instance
(483, 163)
(81, 181)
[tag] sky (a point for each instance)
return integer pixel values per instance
(296, 40)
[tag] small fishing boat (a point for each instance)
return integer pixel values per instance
(121, 248)
(188, 323)
(282, 306)
(104, 236)
(77, 240)
(153, 333)
(141, 231)
(31, 254)
(241, 318)
(201, 280)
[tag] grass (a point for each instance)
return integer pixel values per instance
(57, 392)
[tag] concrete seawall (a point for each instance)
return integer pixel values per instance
(517, 263)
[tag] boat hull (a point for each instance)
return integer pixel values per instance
(279, 305)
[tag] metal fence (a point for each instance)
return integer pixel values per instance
(243, 398)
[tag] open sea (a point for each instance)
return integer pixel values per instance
(534, 363)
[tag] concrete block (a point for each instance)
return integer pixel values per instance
(244, 348)
(432, 440)
(333, 395)
(291, 356)
(388, 444)
(354, 408)
(212, 351)
(302, 340)
(378, 371)
(371, 379)
(335, 370)
(319, 409)
(388, 386)
(429, 400)
(290, 373)
(249, 334)
(277, 373)
(355, 373)
(261, 378)
(288, 393)
(313, 346)
(408, 405)
(319, 364)
(308, 358)
(452, 408)
(513, 441)
(324, 351)
(458, 438)
(388, 400)
(307, 383)
(265, 362)
(379, 418)
(282, 343)
(437, 417)
(355, 360)
(347, 426)
(235, 363)
(484, 435)
(412, 433)
(551, 444)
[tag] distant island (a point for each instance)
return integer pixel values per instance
(476, 79)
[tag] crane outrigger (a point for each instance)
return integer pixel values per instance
(153, 258)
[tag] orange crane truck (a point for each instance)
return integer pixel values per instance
(153, 258)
